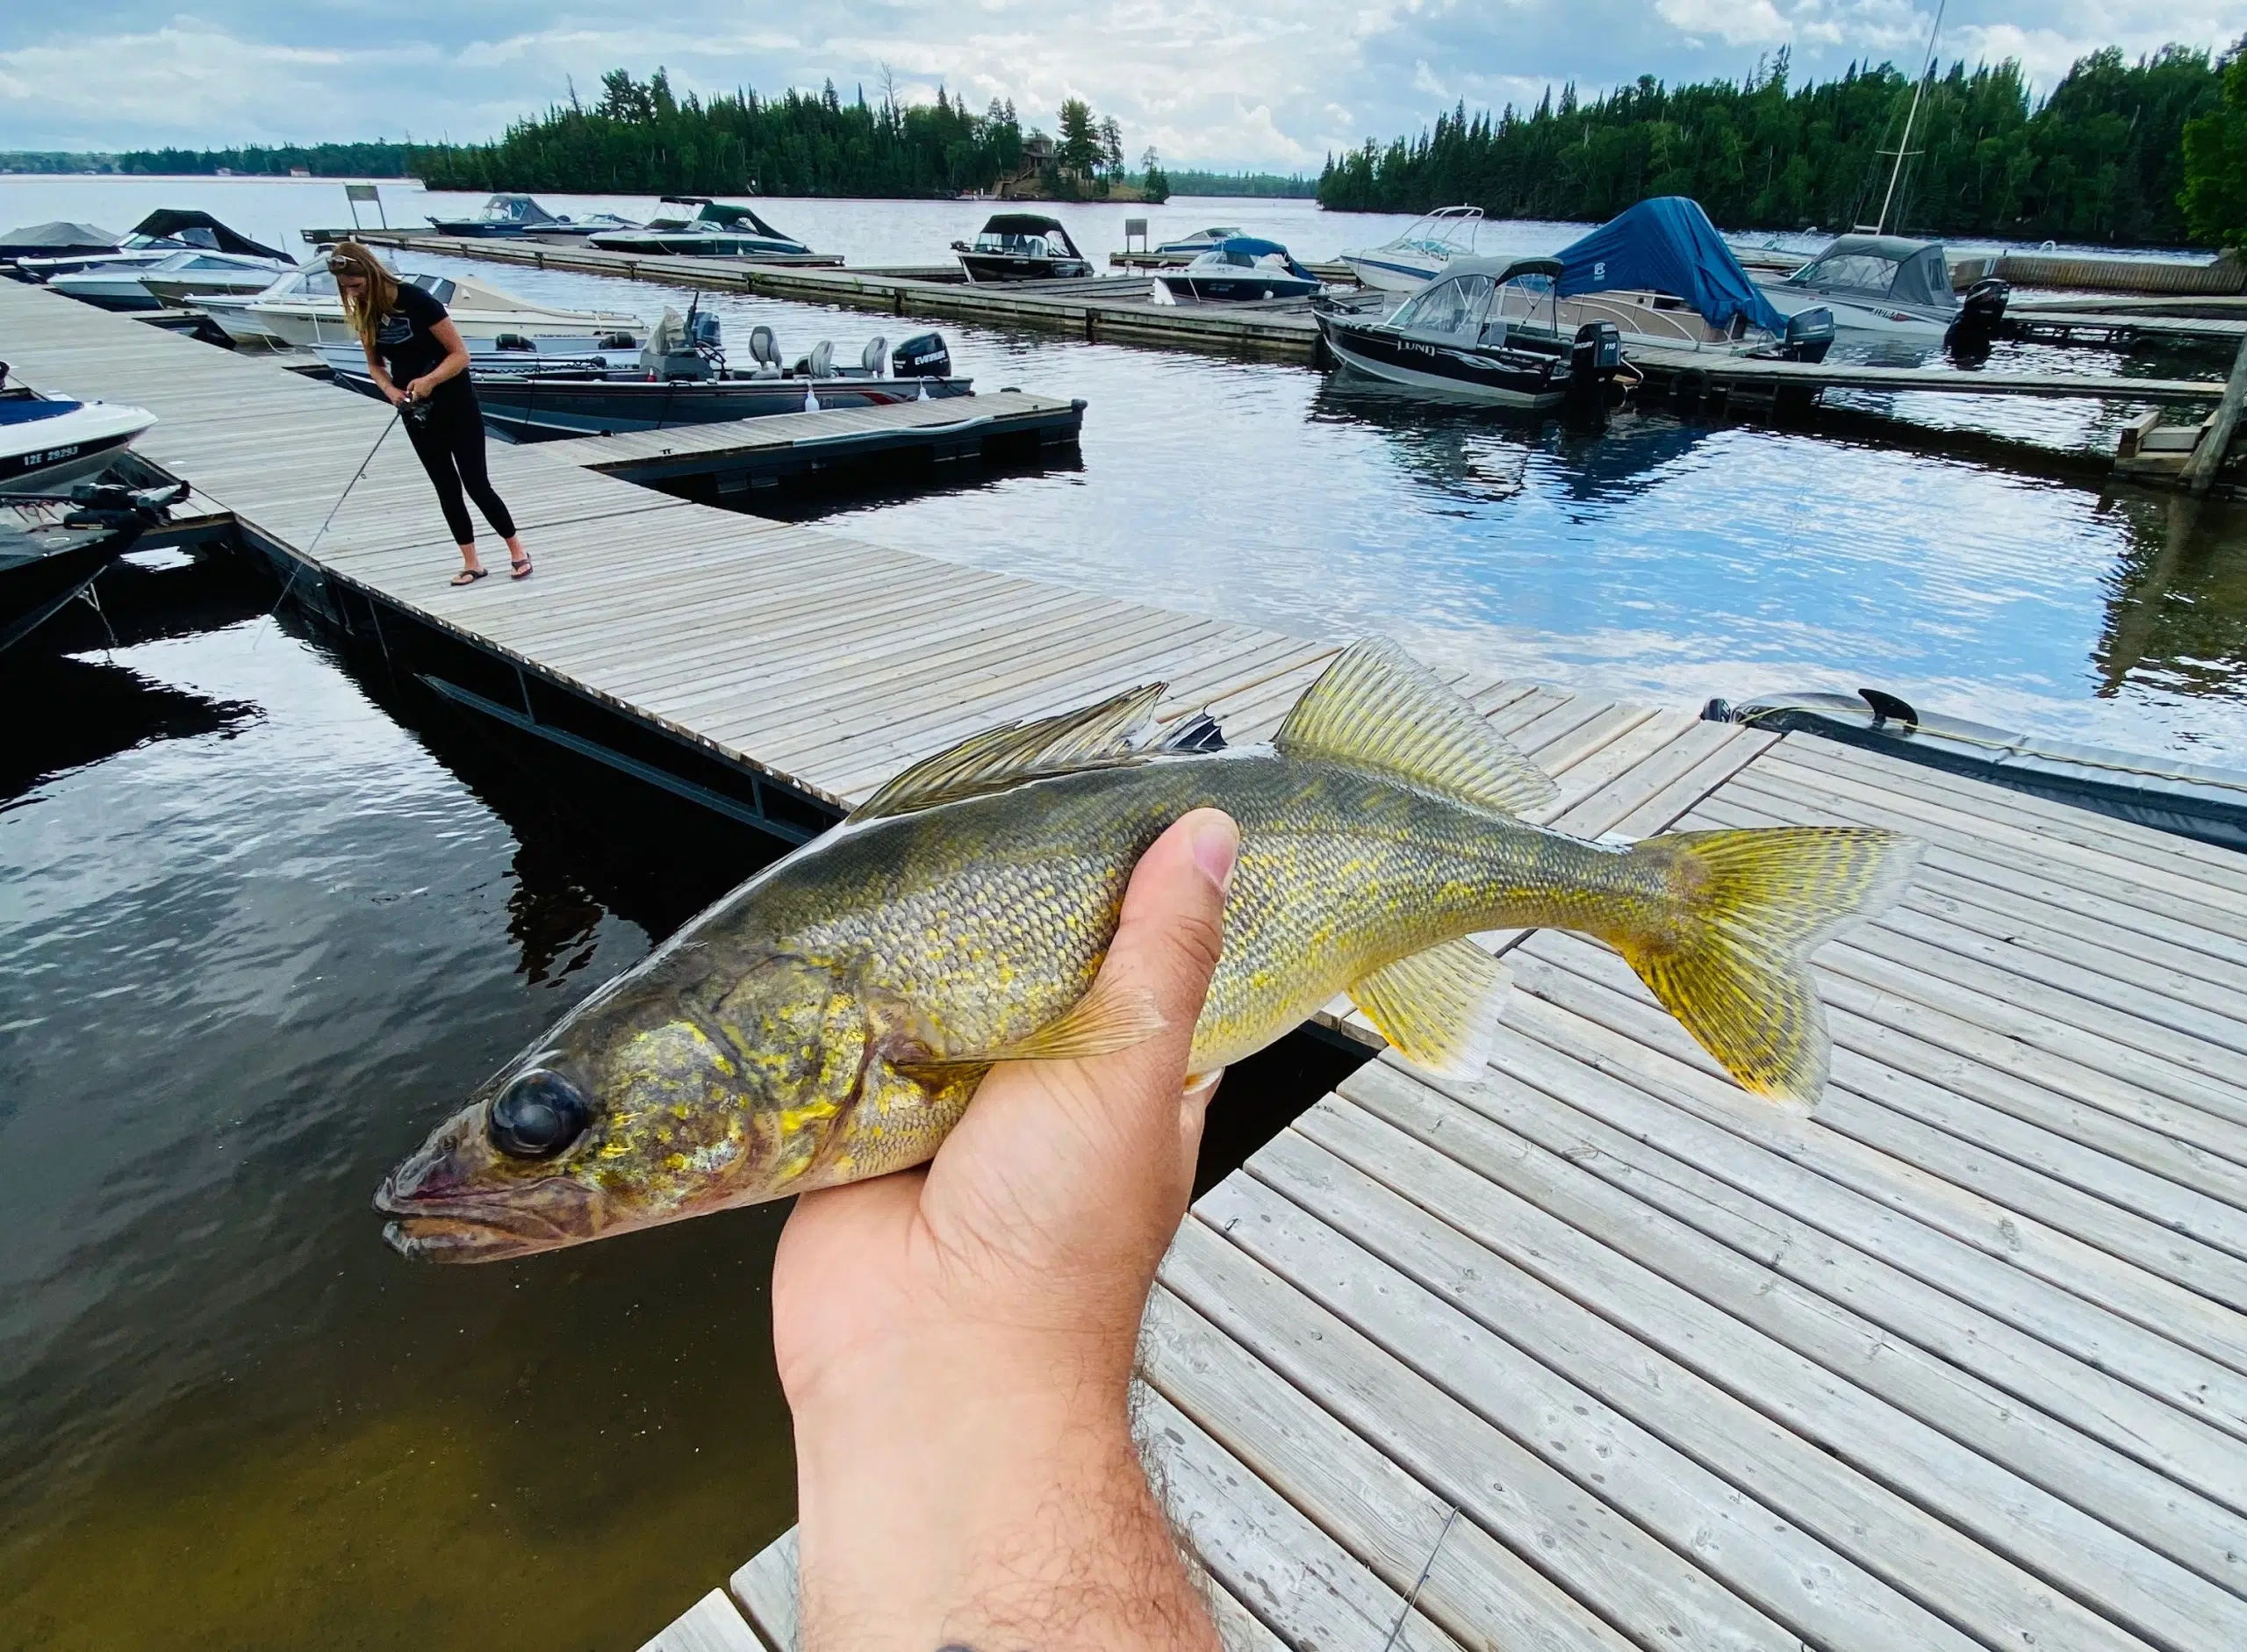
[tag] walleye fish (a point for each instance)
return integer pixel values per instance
(829, 1019)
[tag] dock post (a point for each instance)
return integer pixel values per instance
(2207, 456)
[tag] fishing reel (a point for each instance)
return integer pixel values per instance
(414, 410)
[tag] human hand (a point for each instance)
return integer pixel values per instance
(395, 396)
(956, 1341)
(419, 388)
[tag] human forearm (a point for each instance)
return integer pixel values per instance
(987, 1497)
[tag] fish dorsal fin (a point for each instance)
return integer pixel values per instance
(1377, 707)
(1437, 1009)
(1090, 737)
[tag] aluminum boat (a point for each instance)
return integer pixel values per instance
(53, 547)
(1891, 289)
(1022, 246)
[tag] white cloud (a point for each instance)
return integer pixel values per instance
(1224, 82)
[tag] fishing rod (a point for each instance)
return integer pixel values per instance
(410, 408)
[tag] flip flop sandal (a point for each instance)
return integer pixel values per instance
(522, 569)
(469, 576)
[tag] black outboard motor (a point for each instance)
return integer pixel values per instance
(924, 356)
(1594, 359)
(1810, 335)
(1981, 311)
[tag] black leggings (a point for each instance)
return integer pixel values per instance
(450, 441)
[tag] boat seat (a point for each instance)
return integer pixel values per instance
(875, 356)
(821, 360)
(764, 352)
(1494, 333)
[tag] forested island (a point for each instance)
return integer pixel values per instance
(2100, 160)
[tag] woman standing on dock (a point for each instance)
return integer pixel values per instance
(416, 356)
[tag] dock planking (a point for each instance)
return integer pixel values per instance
(1959, 1360)
(1615, 1355)
(815, 662)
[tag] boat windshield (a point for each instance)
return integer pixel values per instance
(1453, 307)
(436, 286)
(1856, 272)
(1018, 246)
(720, 216)
(1447, 233)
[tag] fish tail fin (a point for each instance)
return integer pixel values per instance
(1731, 958)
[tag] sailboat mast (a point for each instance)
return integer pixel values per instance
(1910, 115)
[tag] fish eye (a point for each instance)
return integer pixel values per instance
(537, 1115)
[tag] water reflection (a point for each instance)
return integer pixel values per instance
(89, 711)
(2176, 600)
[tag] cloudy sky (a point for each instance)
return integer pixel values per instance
(1269, 83)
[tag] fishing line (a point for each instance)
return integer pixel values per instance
(1413, 1599)
(397, 412)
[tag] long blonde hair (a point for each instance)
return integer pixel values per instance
(381, 296)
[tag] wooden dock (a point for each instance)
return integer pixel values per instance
(776, 672)
(1616, 1356)
(1609, 1354)
(1710, 372)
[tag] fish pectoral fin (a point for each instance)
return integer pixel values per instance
(1106, 1019)
(1377, 707)
(1089, 737)
(1437, 1009)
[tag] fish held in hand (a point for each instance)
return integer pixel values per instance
(830, 1019)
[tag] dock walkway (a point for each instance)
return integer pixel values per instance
(1621, 1357)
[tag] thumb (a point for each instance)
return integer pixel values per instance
(1168, 943)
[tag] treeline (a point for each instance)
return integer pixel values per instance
(377, 159)
(643, 139)
(1185, 181)
(2100, 160)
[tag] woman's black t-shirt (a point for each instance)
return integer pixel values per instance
(405, 338)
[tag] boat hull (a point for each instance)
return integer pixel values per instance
(109, 293)
(1878, 317)
(39, 575)
(661, 246)
(1498, 381)
(1390, 273)
(48, 455)
(991, 267)
(1248, 288)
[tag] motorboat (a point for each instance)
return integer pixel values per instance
(48, 442)
(1423, 252)
(52, 548)
(1453, 338)
(304, 309)
(1660, 273)
(57, 238)
(1022, 246)
(1894, 289)
(1240, 268)
(514, 216)
(718, 229)
(1200, 242)
(155, 238)
(2189, 798)
(161, 284)
(680, 377)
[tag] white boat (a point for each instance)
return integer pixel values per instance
(159, 285)
(304, 309)
(1421, 253)
(1200, 242)
(48, 442)
(155, 237)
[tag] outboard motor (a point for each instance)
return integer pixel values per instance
(703, 330)
(1810, 335)
(1980, 312)
(924, 356)
(1594, 359)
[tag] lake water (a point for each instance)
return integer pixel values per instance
(263, 917)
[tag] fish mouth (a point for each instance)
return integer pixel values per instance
(474, 1227)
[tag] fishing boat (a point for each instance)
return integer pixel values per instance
(53, 547)
(48, 442)
(1022, 246)
(1200, 242)
(1891, 288)
(1423, 252)
(304, 309)
(161, 285)
(718, 229)
(156, 237)
(1453, 339)
(512, 217)
(2192, 800)
(679, 377)
(1240, 268)
(1660, 273)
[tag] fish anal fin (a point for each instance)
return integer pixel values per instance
(1105, 1020)
(1090, 737)
(1437, 1009)
(1377, 707)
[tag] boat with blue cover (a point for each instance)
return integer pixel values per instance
(1240, 268)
